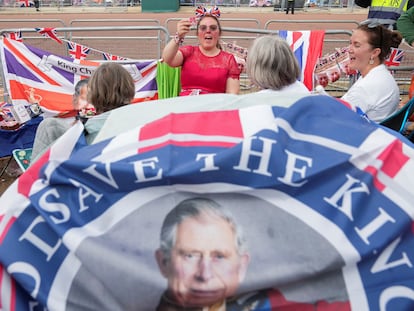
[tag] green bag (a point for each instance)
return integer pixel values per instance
(168, 80)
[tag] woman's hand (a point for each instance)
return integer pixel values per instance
(183, 27)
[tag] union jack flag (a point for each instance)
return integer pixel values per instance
(77, 51)
(49, 33)
(52, 76)
(108, 56)
(307, 47)
(17, 36)
(395, 57)
(26, 3)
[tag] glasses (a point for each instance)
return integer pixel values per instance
(371, 24)
(205, 27)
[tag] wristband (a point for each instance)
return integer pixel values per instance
(178, 40)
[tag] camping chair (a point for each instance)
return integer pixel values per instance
(398, 119)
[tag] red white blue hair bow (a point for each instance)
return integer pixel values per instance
(202, 11)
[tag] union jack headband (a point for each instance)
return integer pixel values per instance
(202, 11)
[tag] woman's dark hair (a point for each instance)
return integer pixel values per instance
(382, 38)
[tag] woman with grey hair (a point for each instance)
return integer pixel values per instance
(272, 66)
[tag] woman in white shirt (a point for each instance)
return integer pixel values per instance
(272, 66)
(376, 91)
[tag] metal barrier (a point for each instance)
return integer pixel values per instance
(117, 21)
(148, 44)
(223, 22)
(132, 45)
(233, 35)
(307, 22)
(13, 23)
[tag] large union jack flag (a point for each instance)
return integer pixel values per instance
(395, 57)
(77, 51)
(52, 77)
(307, 47)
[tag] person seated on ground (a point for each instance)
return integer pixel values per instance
(405, 25)
(375, 92)
(110, 86)
(52, 128)
(272, 66)
(206, 68)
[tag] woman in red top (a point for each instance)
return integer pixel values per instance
(206, 68)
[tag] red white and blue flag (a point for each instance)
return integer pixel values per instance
(49, 32)
(307, 46)
(395, 58)
(77, 51)
(26, 3)
(52, 77)
(14, 36)
(334, 211)
(107, 56)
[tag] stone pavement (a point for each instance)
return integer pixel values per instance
(183, 9)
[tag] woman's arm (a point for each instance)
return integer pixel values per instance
(232, 86)
(171, 54)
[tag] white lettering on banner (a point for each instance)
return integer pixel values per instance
(383, 263)
(108, 179)
(40, 244)
(394, 292)
(54, 206)
(150, 169)
(291, 168)
(208, 161)
(344, 193)
(374, 225)
(264, 156)
(71, 67)
(26, 269)
(147, 163)
(85, 192)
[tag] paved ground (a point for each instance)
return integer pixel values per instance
(263, 14)
(12, 17)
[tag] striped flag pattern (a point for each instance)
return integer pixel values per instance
(307, 46)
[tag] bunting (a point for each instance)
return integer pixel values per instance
(26, 3)
(107, 56)
(77, 51)
(49, 33)
(395, 58)
(14, 36)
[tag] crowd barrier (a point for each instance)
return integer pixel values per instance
(277, 4)
(145, 39)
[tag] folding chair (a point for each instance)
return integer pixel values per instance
(398, 119)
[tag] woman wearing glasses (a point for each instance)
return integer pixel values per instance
(205, 68)
(375, 92)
